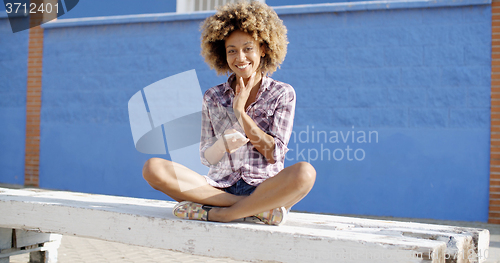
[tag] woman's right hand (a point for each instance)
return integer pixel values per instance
(215, 152)
(235, 142)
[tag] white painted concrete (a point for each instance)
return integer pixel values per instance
(471, 241)
(304, 238)
(42, 247)
(5, 238)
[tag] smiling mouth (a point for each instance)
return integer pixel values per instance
(242, 67)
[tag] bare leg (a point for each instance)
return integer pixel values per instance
(168, 177)
(285, 189)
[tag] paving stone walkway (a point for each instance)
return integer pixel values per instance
(87, 250)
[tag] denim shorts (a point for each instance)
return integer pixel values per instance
(240, 188)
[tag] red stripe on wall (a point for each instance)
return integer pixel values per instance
(33, 102)
(494, 206)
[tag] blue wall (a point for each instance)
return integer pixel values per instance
(304, 2)
(418, 79)
(13, 79)
(90, 73)
(93, 8)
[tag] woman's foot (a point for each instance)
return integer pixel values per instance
(195, 211)
(190, 210)
(275, 216)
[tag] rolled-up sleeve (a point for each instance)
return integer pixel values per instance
(208, 137)
(282, 126)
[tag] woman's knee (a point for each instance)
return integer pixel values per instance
(304, 174)
(148, 170)
(152, 171)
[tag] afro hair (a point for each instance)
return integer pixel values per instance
(255, 18)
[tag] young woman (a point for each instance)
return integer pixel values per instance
(246, 125)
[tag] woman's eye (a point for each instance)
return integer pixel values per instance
(249, 49)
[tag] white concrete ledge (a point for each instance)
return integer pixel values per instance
(41, 246)
(304, 238)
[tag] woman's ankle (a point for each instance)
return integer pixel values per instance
(218, 214)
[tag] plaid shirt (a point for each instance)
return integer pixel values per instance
(272, 111)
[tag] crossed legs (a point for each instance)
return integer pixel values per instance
(182, 184)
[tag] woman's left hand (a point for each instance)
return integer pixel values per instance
(242, 94)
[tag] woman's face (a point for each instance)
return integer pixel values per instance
(243, 54)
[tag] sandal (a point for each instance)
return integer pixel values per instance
(195, 211)
(190, 210)
(275, 216)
